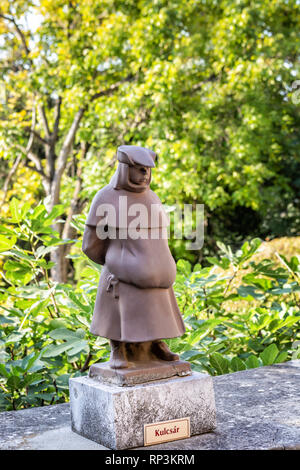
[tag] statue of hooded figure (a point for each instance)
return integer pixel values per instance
(126, 232)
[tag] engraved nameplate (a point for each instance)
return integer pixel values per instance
(166, 431)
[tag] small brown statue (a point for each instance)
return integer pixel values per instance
(135, 305)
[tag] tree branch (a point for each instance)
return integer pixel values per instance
(32, 156)
(56, 119)
(38, 136)
(63, 155)
(87, 362)
(44, 121)
(74, 203)
(112, 88)
(9, 177)
(19, 32)
(31, 136)
(199, 85)
(69, 139)
(50, 152)
(40, 172)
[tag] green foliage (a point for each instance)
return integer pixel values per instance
(233, 325)
(45, 339)
(208, 85)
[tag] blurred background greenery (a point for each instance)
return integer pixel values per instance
(211, 86)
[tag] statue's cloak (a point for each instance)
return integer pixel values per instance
(135, 299)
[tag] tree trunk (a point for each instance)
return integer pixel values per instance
(59, 272)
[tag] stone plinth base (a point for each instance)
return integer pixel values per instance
(140, 372)
(115, 416)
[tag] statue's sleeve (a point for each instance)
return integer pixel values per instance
(93, 218)
(92, 246)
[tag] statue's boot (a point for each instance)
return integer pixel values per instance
(118, 359)
(162, 351)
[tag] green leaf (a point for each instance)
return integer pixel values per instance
(39, 211)
(56, 211)
(58, 323)
(184, 267)
(248, 249)
(294, 264)
(22, 255)
(196, 336)
(18, 272)
(78, 347)
(56, 350)
(252, 362)
(83, 320)
(32, 379)
(255, 344)
(219, 363)
(224, 263)
(237, 364)
(7, 243)
(5, 230)
(44, 250)
(63, 381)
(260, 283)
(28, 361)
(45, 396)
(76, 301)
(14, 337)
(282, 356)
(6, 320)
(66, 334)
(292, 320)
(269, 354)
(3, 371)
(249, 291)
(13, 382)
(15, 210)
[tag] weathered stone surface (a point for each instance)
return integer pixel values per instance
(256, 409)
(17, 426)
(115, 416)
(140, 372)
(60, 439)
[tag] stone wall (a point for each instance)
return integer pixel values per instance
(256, 409)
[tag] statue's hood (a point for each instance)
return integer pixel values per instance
(120, 180)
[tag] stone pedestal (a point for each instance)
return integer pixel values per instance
(115, 416)
(139, 372)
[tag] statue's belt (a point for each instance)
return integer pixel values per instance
(113, 285)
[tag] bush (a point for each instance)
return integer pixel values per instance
(240, 313)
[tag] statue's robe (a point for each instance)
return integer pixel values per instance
(135, 299)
